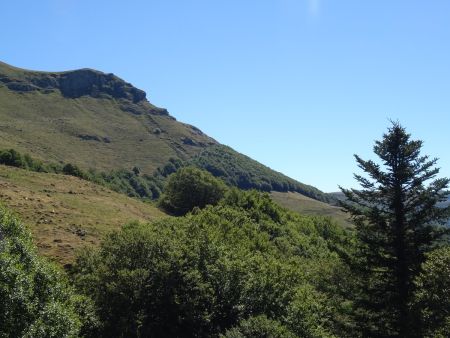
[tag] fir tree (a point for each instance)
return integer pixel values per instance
(397, 221)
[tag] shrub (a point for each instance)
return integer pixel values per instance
(190, 187)
(36, 299)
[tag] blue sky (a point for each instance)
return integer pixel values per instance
(299, 85)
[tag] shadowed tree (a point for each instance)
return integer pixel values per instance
(397, 221)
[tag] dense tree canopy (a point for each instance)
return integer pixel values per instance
(205, 273)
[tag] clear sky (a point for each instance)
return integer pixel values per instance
(299, 85)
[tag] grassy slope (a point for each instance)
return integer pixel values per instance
(48, 127)
(59, 208)
(308, 206)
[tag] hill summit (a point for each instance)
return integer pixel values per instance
(77, 83)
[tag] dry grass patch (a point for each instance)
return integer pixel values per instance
(65, 212)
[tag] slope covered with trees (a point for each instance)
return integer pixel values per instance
(241, 171)
(239, 265)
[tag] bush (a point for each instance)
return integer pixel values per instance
(36, 299)
(190, 187)
(73, 170)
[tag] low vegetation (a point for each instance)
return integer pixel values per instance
(87, 120)
(129, 182)
(309, 206)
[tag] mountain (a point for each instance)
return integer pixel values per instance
(97, 120)
(89, 118)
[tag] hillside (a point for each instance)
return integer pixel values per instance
(97, 120)
(89, 118)
(308, 206)
(241, 171)
(65, 212)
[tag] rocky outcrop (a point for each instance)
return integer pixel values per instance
(74, 84)
(88, 82)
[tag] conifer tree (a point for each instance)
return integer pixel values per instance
(397, 221)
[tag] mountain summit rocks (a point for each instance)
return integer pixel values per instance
(74, 84)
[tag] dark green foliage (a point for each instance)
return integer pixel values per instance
(73, 170)
(241, 171)
(245, 264)
(190, 187)
(397, 219)
(170, 167)
(131, 183)
(15, 159)
(36, 300)
(433, 293)
(259, 327)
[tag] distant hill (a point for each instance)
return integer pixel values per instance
(97, 120)
(340, 196)
(65, 212)
(308, 206)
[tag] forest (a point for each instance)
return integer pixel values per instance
(229, 262)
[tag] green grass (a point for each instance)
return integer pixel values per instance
(59, 209)
(49, 125)
(308, 206)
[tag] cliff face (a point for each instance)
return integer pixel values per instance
(74, 84)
